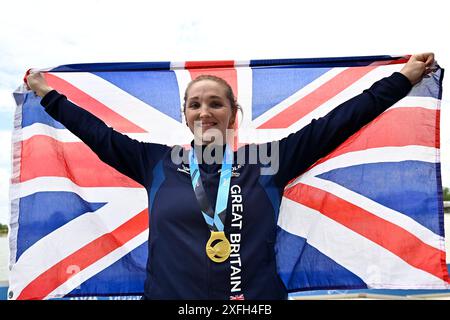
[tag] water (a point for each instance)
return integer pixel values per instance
(4, 256)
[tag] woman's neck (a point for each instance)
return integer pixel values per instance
(209, 153)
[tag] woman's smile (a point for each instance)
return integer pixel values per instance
(208, 111)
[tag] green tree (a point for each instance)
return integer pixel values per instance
(446, 192)
(3, 228)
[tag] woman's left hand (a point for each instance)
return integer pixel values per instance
(417, 66)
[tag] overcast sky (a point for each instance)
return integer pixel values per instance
(48, 33)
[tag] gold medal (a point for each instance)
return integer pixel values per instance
(218, 247)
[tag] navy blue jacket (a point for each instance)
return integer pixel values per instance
(178, 267)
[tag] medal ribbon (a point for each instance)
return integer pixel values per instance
(214, 219)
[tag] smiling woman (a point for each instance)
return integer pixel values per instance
(200, 251)
(210, 109)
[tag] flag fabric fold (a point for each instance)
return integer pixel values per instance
(368, 215)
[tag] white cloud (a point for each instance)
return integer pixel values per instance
(6, 100)
(4, 212)
(181, 30)
(4, 194)
(48, 33)
(5, 147)
(5, 174)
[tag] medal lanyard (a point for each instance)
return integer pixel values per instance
(214, 219)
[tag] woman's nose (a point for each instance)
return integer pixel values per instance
(204, 111)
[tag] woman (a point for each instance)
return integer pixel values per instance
(198, 250)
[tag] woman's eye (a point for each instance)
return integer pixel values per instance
(216, 105)
(194, 105)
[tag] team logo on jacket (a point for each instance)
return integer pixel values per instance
(234, 170)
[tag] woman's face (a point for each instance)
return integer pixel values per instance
(208, 112)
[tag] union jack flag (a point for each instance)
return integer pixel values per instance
(237, 297)
(368, 215)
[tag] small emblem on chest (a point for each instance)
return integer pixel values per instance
(234, 170)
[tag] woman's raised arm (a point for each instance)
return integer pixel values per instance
(301, 149)
(133, 158)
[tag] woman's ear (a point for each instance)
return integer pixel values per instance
(232, 121)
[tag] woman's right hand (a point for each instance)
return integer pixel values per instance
(37, 83)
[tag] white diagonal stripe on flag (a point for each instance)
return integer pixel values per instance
(130, 107)
(88, 227)
(330, 237)
(373, 155)
(424, 234)
(98, 266)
